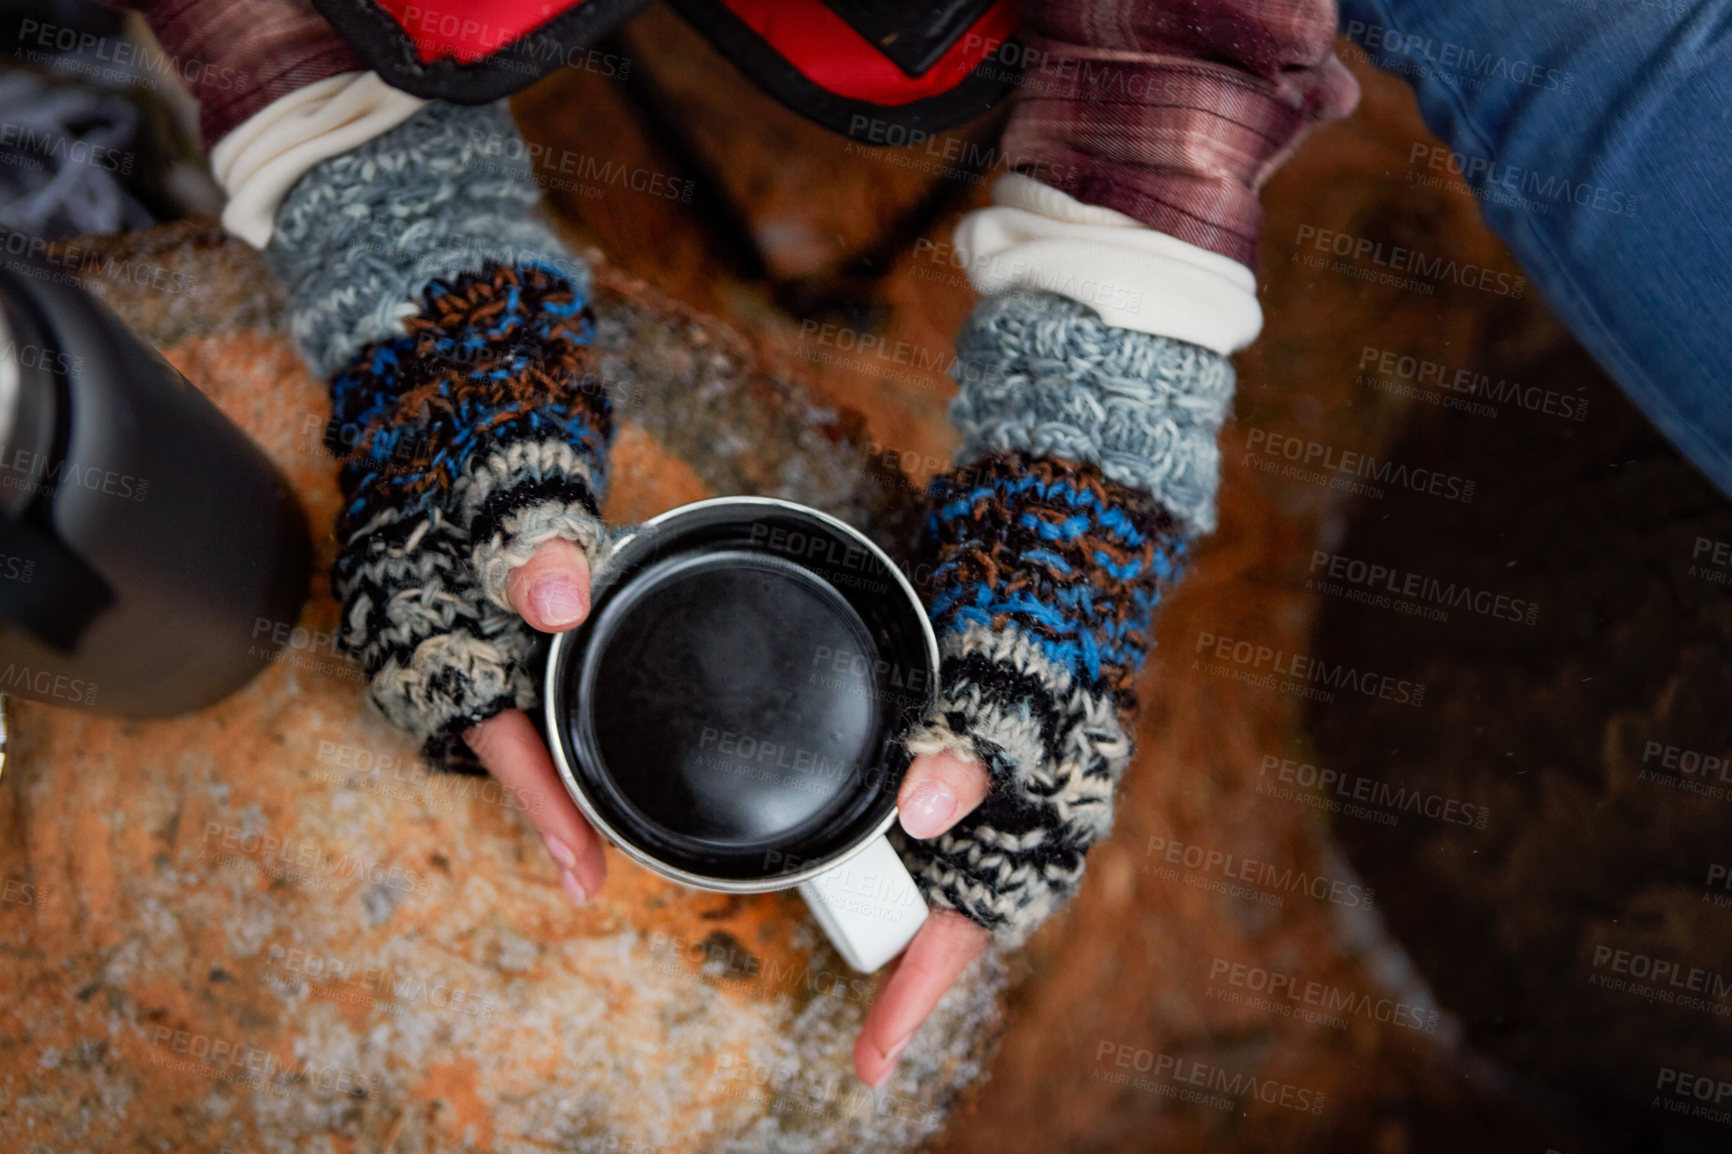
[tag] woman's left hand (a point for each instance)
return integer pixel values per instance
(940, 790)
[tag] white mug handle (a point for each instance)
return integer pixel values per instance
(868, 906)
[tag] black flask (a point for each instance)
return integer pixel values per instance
(143, 537)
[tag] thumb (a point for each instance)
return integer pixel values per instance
(939, 790)
(551, 589)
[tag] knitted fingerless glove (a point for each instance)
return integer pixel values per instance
(1088, 464)
(453, 329)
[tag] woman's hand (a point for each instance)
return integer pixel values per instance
(551, 593)
(939, 791)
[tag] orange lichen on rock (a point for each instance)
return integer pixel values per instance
(267, 925)
(453, 1084)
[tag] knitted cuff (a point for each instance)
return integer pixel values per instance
(435, 665)
(359, 238)
(481, 437)
(1044, 375)
(1048, 568)
(453, 328)
(1048, 575)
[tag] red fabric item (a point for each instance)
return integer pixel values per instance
(467, 30)
(823, 48)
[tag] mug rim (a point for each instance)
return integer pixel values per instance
(561, 652)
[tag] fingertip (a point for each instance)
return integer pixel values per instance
(511, 748)
(873, 1068)
(928, 808)
(591, 868)
(939, 790)
(869, 1065)
(551, 589)
(940, 951)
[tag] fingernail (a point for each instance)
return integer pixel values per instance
(895, 1053)
(927, 810)
(573, 887)
(556, 600)
(560, 851)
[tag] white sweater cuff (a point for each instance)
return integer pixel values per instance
(1036, 237)
(262, 159)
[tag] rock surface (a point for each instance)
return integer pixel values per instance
(264, 927)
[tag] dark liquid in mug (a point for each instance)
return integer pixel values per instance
(733, 703)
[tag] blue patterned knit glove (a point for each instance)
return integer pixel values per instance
(453, 329)
(1088, 463)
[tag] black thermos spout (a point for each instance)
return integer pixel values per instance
(143, 537)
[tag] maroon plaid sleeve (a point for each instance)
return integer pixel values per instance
(237, 56)
(1174, 112)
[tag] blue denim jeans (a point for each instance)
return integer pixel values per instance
(1599, 136)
